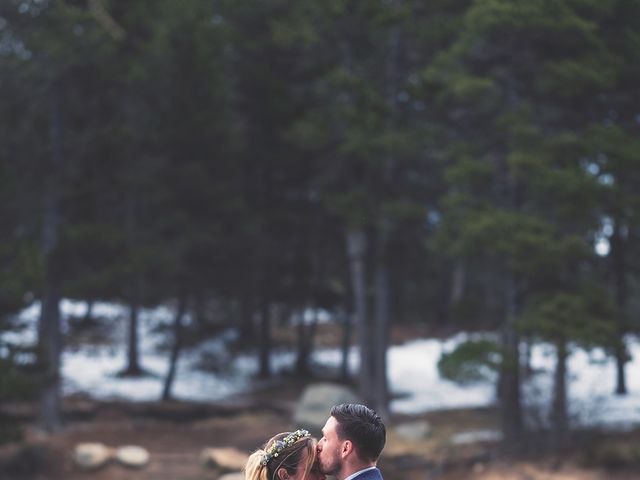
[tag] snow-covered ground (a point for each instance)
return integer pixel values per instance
(412, 372)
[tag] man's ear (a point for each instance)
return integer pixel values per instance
(282, 474)
(347, 448)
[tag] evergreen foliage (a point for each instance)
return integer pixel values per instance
(234, 154)
(472, 361)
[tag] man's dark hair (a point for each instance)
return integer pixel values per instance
(363, 427)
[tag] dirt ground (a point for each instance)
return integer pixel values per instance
(176, 433)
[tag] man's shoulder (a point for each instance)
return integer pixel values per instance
(373, 474)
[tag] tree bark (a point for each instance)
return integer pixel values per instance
(306, 335)
(135, 289)
(621, 362)
(457, 283)
(381, 326)
(527, 367)
(356, 249)
(265, 341)
(345, 318)
(133, 356)
(49, 332)
(177, 347)
(89, 313)
(380, 330)
(511, 408)
(559, 415)
(246, 319)
(619, 267)
(507, 190)
(50, 341)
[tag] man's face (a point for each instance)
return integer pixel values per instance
(329, 449)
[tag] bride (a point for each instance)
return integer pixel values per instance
(286, 456)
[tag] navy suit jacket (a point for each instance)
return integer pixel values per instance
(370, 475)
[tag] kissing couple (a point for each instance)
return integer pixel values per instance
(351, 442)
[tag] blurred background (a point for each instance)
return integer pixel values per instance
(219, 215)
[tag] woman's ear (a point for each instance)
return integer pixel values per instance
(282, 474)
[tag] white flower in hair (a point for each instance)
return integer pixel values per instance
(279, 445)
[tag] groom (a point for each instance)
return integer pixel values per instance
(351, 442)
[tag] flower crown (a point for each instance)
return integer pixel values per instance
(279, 445)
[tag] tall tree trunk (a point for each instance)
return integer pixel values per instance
(621, 361)
(265, 340)
(89, 313)
(50, 341)
(507, 189)
(382, 308)
(559, 415)
(381, 325)
(247, 333)
(510, 408)
(306, 335)
(619, 267)
(176, 348)
(457, 283)
(133, 356)
(527, 366)
(49, 332)
(356, 249)
(345, 320)
(198, 310)
(134, 290)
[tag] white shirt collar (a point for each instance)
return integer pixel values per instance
(353, 475)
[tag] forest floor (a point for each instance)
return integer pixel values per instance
(175, 433)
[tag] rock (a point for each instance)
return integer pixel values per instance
(419, 430)
(226, 459)
(315, 404)
(91, 456)
(232, 476)
(132, 456)
(475, 436)
(616, 454)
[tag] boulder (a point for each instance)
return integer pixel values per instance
(132, 456)
(312, 410)
(91, 456)
(615, 454)
(225, 459)
(414, 431)
(475, 436)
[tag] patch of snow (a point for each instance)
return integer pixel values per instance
(413, 373)
(474, 436)
(413, 376)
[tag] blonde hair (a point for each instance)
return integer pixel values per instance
(288, 458)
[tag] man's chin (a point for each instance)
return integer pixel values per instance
(329, 471)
